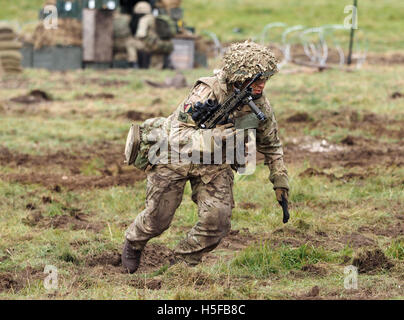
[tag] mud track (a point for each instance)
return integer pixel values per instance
(42, 168)
(67, 168)
(351, 151)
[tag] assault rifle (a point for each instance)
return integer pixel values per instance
(210, 113)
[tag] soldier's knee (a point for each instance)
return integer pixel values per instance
(222, 216)
(226, 229)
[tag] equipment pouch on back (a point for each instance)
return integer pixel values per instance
(132, 144)
(165, 27)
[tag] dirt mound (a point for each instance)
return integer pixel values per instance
(310, 172)
(105, 174)
(314, 270)
(365, 153)
(391, 231)
(155, 256)
(352, 151)
(17, 281)
(105, 259)
(299, 117)
(103, 82)
(35, 96)
(349, 140)
(249, 205)
(176, 82)
(236, 240)
(356, 240)
(95, 96)
(142, 283)
(385, 59)
(75, 182)
(7, 282)
(139, 116)
(397, 95)
(314, 292)
(371, 261)
(74, 221)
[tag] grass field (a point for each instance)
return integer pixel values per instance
(380, 21)
(66, 198)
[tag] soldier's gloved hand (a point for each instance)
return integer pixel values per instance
(281, 192)
(213, 139)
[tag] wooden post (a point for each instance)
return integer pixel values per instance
(351, 40)
(97, 35)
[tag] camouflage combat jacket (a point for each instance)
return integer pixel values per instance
(180, 128)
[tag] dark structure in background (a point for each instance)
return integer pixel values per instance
(128, 5)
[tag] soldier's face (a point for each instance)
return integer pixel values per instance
(258, 87)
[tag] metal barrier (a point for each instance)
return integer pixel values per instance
(317, 43)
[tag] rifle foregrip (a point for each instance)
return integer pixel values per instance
(260, 115)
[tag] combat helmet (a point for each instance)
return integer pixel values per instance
(244, 60)
(142, 7)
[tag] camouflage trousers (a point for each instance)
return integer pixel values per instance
(158, 49)
(132, 46)
(212, 191)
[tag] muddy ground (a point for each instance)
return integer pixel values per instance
(112, 172)
(66, 170)
(350, 152)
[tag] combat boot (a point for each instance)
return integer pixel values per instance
(130, 257)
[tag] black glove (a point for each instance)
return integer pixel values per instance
(279, 192)
(282, 197)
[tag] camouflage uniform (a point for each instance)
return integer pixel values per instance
(211, 183)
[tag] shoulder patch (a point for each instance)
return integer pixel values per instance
(188, 108)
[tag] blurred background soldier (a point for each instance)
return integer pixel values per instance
(151, 35)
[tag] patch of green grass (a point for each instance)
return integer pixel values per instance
(264, 259)
(92, 168)
(396, 249)
(136, 84)
(297, 258)
(55, 209)
(259, 261)
(68, 256)
(23, 11)
(54, 134)
(381, 23)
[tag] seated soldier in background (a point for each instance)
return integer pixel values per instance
(148, 37)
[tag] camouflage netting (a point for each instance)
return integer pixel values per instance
(68, 33)
(245, 59)
(10, 56)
